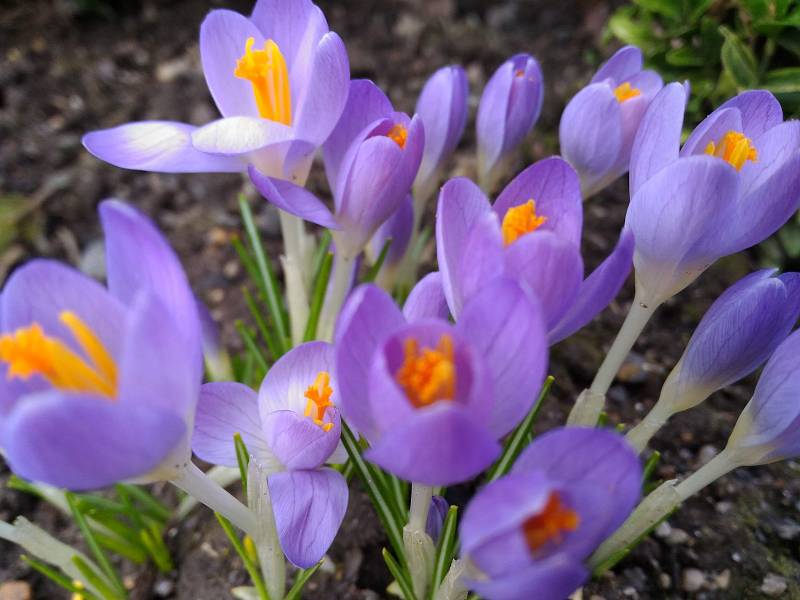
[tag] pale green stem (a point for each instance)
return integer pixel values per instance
(342, 272)
(421, 496)
(722, 464)
(640, 436)
(296, 273)
(265, 537)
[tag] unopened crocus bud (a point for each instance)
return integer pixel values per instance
(436, 516)
(398, 229)
(599, 123)
(508, 110)
(737, 334)
(442, 106)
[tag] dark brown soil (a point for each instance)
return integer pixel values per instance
(65, 72)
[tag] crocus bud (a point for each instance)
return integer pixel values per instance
(398, 229)
(509, 107)
(737, 334)
(442, 106)
(599, 123)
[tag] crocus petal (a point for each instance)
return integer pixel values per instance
(624, 64)
(293, 199)
(585, 455)
(597, 290)
(397, 227)
(658, 140)
(366, 103)
(649, 83)
(288, 379)
(441, 445)
(712, 129)
(760, 111)
(524, 101)
(551, 268)
(161, 146)
(492, 113)
(368, 317)
(324, 97)
(223, 35)
(461, 204)
(590, 132)
(436, 516)
(553, 184)
(507, 328)
(426, 300)
(309, 507)
(236, 136)
(41, 290)
(83, 442)
(297, 442)
(223, 410)
(482, 260)
(551, 579)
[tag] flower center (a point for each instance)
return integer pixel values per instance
(520, 220)
(28, 351)
(734, 148)
(319, 400)
(398, 134)
(428, 375)
(625, 91)
(266, 70)
(550, 524)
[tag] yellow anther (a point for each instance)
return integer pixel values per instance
(398, 134)
(520, 220)
(266, 70)
(319, 400)
(625, 91)
(429, 375)
(28, 351)
(734, 148)
(550, 524)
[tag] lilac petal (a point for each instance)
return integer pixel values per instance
(524, 101)
(621, 67)
(442, 106)
(681, 220)
(436, 516)
(309, 507)
(15, 389)
(41, 289)
(658, 140)
(139, 258)
(482, 260)
(366, 104)
(293, 199)
(236, 136)
(321, 105)
(551, 268)
(426, 300)
(507, 329)
(649, 83)
(441, 445)
(398, 227)
(551, 579)
(553, 184)
(223, 35)
(161, 146)
(491, 121)
(223, 410)
(461, 204)
(760, 111)
(297, 442)
(83, 442)
(368, 317)
(588, 456)
(590, 132)
(286, 382)
(597, 290)
(712, 129)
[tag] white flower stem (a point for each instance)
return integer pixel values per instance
(265, 538)
(207, 491)
(421, 496)
(337, 292)
(722, 464)
(640, 436)
(296, 272)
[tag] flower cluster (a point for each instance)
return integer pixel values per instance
(413, 384)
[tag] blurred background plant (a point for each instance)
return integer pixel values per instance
(723, 47)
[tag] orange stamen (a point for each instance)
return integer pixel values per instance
(398, 134)
(429, 375)
(625, 91)
(520, 220)
(266, 70)
(550, 524)
(319, 400)
(734, 148)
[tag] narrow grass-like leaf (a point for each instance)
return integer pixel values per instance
(137, 554)
(153, 539)
(399, 491)
(517, 441)
(252, 568)
(251, 345)
(150, 506)
(58, 578)
(94, 579)
(399, 575)
(445, 550)
(373, 271)
(649, 468)
(261, 324)
(318, 297)
(303, 575)
(320, 253)
(242, 459)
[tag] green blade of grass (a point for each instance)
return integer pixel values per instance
(303, 575)
(94, 579)
(445, 550)
(151, 507)
(261, 324)
(242, 459)
(318, 297)
(373, 271)
(320, 252)
(399, 575)
(252, 568)
(58, 578)
(251, 345)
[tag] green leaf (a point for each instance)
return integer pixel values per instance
(791, 42)
(98, 582)
(684, 57)
(783, 81)
(58, 578)
(370, 275)
(303, 575)
(250, 344)
(699, 8)
(399, 575)
(671, 9)
(251, 567)
(623, 27)
(445, 550)
(318, 297)
(242, 459)
(738, 60)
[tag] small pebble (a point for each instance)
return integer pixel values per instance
(693, 580)
(163, 588)
(773, 585)
(663, 530)
(788, 530)
(630, 592)
(723, 507)
(665, 581)
(677, 537)
(15, 590)
(723, 580)
(707, 452)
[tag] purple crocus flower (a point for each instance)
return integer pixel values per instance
(532, 233)
(599, 124)
(99, 385)
(508, 109)
(292, 427)
(280, 80)
(442, 106)
(432, 398)
(371, 159)
(529, 532)
(436, 516)
(398, 228)
(734, 182)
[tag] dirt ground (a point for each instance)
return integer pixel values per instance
(65, 72)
